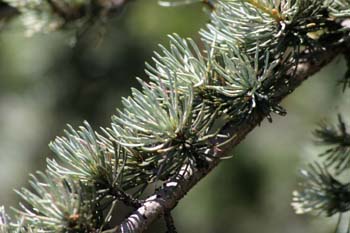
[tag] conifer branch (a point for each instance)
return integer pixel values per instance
(196, 107)
(174, 190)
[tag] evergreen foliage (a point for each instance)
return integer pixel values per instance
(322, 189)
(51, 15)
(169, 124)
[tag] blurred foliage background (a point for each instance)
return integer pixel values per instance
(45, 83)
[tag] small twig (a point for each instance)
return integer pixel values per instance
(63, 10)
(274, 13)
(210, 4)
(169, 221)
(126, 198)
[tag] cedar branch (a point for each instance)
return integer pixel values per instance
(173, 191)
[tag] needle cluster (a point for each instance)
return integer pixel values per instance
(322, 189)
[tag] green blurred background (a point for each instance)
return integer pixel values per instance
(46, 84)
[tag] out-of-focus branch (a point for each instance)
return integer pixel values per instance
(105, 7)
(7, 12)
(173, 191)
(112, 4)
